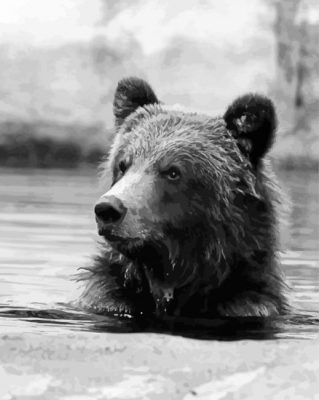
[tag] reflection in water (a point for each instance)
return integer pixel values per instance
(48, 230)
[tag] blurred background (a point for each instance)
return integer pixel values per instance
(60, 62)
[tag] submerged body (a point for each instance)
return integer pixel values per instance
(190, 221)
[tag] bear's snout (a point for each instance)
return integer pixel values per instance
(109, 211)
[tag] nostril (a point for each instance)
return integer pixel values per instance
(110, 211)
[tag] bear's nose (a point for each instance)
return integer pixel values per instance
(110, 210)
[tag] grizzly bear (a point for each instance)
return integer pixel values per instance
(190, 219)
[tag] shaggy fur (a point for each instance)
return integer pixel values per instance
(198, 234)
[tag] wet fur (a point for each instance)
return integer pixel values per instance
(227, 248)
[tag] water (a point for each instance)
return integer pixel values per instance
(48, 231)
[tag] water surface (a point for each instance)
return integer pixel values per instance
(48, 231)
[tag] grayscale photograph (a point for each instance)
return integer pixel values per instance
(159, 199)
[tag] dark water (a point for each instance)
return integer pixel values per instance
(48, 231)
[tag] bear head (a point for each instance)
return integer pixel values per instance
(189, 194)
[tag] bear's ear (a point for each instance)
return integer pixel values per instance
(252, 121)
(130, 94)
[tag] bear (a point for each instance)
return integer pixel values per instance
(190, 221)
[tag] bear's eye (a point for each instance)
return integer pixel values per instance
(173, 174)
(122, 167)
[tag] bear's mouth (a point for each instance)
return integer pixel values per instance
(150, 254)
(127, 246)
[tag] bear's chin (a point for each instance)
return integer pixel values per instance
(163, 273)
(155, 258)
